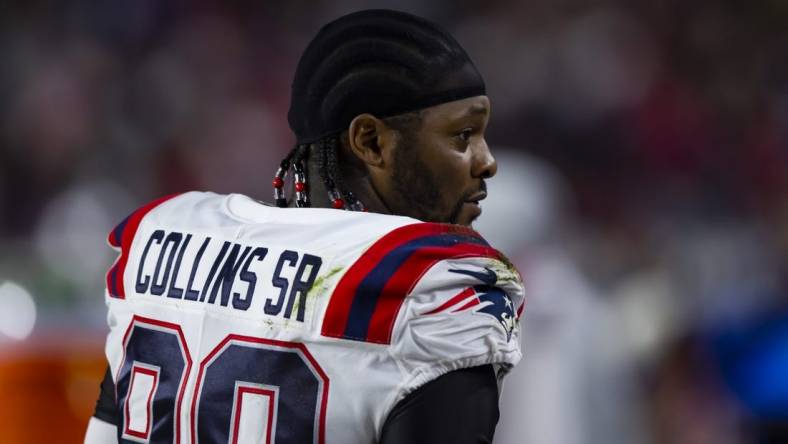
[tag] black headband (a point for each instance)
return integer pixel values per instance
(380, 62)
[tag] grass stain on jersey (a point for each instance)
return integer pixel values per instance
(506, 271)
(321, 286)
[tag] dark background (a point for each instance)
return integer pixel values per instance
(643, 192)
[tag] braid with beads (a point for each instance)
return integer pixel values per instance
(279, 179)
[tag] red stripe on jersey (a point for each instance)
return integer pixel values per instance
(401, 282)
(112, 238)
(338, 309)
(407, 276)
(471, 303)
(453, 301)
(129, 230)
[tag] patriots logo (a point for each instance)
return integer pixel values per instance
(484, 298)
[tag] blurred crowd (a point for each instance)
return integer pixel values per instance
(642, 189)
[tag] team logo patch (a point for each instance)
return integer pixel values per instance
(484, 298)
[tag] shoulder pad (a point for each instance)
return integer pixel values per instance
(365, 303)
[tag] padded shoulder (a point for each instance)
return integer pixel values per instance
(464, 312)
(367, 300)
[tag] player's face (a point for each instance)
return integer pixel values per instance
(439, 170)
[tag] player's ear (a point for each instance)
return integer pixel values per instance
(371, 140)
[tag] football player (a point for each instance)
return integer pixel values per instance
(364, 309)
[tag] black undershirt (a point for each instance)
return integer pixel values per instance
(460, 407)
(105, 406)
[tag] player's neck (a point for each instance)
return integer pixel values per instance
(363, 188)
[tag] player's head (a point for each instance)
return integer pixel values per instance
(389, 110)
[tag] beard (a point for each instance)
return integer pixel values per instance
(413, 180)
(455, 214)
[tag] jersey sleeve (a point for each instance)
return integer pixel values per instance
(436, 295)
(463, 312)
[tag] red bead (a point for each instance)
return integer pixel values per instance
(300, 186)
(278, 182)
(339, 204)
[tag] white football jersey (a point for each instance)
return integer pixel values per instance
(233, 321)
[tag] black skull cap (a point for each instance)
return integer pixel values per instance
(376, 61)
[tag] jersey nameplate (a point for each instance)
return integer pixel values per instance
(205, 270)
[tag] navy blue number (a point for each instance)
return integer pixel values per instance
(286, 372)
(158, 350)
(284, 368)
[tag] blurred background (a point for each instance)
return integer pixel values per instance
(642, 191)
